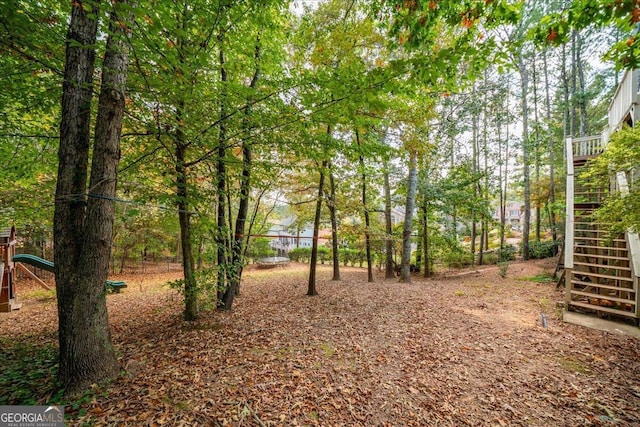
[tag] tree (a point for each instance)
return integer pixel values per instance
(84, 216)
(558, 27)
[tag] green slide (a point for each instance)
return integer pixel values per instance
(48, 266)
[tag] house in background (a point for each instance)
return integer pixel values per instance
(286, 234)
(514, 214)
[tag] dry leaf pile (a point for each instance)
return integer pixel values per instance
(457, 351)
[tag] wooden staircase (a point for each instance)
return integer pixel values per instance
(599, 273)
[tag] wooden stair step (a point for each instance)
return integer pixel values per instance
(603, 266)
(601, 286)
(605, 309)
(603, 276)
(609, 248)
(601, 239)
(599, 256)
(607, 297)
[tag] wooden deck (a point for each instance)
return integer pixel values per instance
(601, 270)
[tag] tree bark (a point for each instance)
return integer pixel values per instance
(83, 227)
(389, 270)
(311, 290)
(524, 74)
(552, 194)
(184, 218)
(412, 186)
(365, 210)
(240, 241)
(331, 199)
(425, 236)
(221, 180)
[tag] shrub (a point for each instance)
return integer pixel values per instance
(457, 259)
(300, 254)
(541, 249)
(508, 253)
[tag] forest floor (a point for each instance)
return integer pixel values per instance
(456, 350)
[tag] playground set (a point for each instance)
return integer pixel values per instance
(8, 300)
(10, 262)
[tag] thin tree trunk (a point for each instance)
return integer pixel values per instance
(221, 180)
(524, 74)
(82, 238)
(240, 241)
(574, 85)
(536, 148)
(412, 186)
(425, 236)
(475, 170)
(311, 290)
(552, 194)
(581, 101)
(365, 210)
(331, 202)
(389, 270)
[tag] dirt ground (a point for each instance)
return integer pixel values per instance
(457, 350)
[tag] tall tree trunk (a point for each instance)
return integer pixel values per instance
(221, 181)
(184, 218)
(574, 85)
(536, 149)
(567, 129)
(311, 290)
(551, 152)
(389, 270)
(425, 236)
(581, 101)
(501, 176)
(524, 74)
(83, 227)
(475, 170)
(412, 186)
(240, 241)
(365, 210)
(331, 202)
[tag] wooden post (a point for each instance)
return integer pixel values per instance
(8, 301)
(569, 223)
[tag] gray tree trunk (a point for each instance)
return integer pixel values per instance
(389, 270)
(412, 186)
(526, 175)
(311, 290)
(83, 226)
(550, 145)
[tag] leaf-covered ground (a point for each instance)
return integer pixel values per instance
(459, 350)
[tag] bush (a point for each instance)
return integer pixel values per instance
(490, 257)
(300, 254)
(304, 254)
(542, 249)
(508, 253)
(457, 259)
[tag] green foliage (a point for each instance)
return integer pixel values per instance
(557, 27)
(544, 277)
(304, 254)
(260, 248)
(621, 155)
(503, 266)
(28, 372)
(508, 253)
(541, 249)
(206, 287)
(300, 254)
(457, 259)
